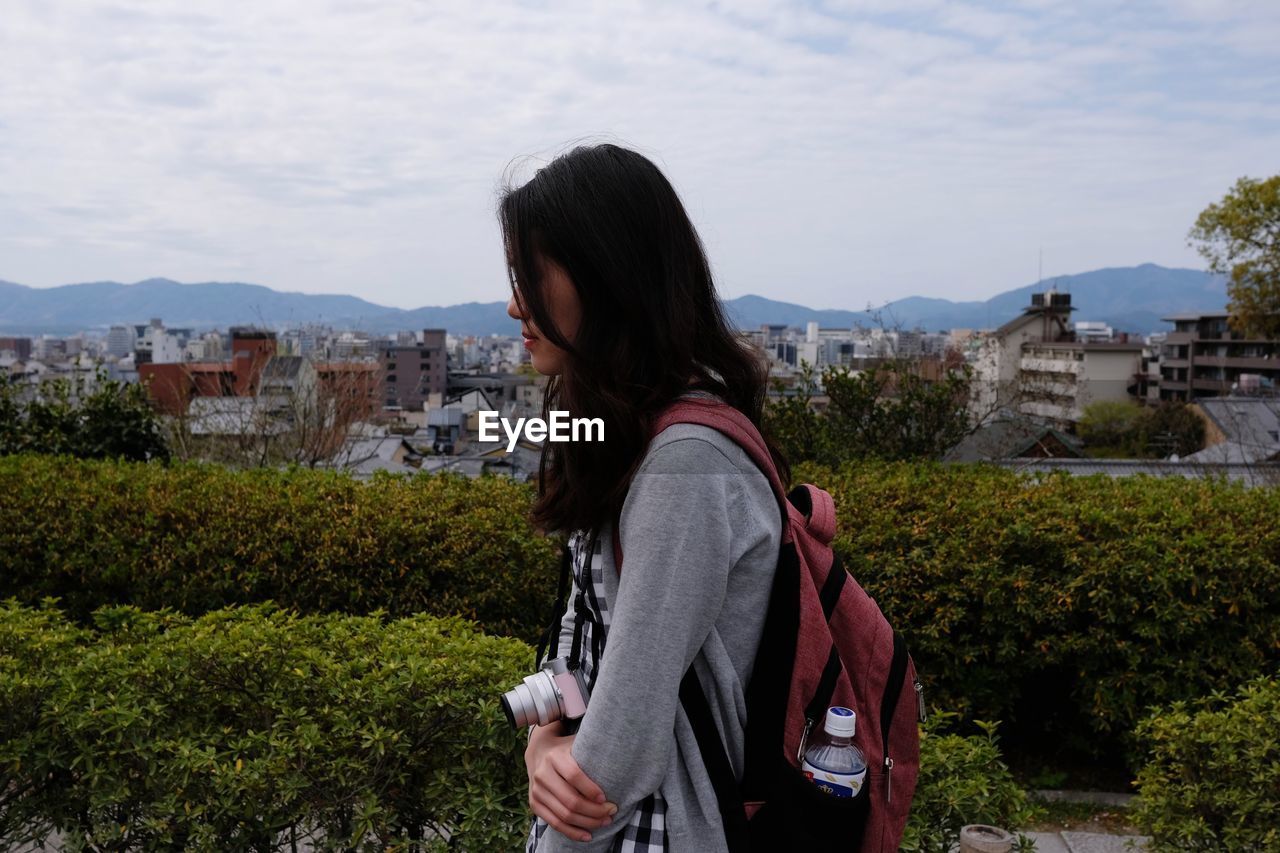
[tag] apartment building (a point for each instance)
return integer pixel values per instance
(1203, 357)
(412, 372)
(1036, 365)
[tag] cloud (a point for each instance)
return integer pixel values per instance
(831, 152)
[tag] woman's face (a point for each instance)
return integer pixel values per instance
(566, 312)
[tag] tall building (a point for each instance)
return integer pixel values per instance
(1035, 365)
(20, 347)
(412, 372)
(1203, 357)
(251, 349)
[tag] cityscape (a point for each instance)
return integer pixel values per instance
(411, 401)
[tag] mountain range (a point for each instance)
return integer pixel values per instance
(1127, 298)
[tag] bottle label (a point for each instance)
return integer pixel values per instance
(835, 784)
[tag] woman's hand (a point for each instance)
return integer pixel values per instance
(559, 792)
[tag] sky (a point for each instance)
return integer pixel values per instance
(836, 154)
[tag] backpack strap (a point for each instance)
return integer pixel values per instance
(549, 642)
(733, 815)
(720, 416)
(733, 423)
(889, 702)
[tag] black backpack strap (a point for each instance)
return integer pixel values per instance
(549, 642)
(889, 702)
(733, 815)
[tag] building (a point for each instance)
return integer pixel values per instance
(49, 348)
(173, 385)
(19, 347)
(1239, 429)
(1058, 380)
(1203, 357)
(1035, 365)
(412, 372)
(351, 387)
(1014, 439)
(1264, 474)
(120, 341)
(291, 376)
(251, 349)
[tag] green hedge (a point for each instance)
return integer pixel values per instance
(247, 729)
(1213, 778)
(199, 537)
(251, 728)
(1065, 605)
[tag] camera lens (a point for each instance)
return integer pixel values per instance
(506, 709)
(533, 701)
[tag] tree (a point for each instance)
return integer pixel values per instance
(1171, 427)
(889, 411)
(104, 419)
(311, 422)
(1110, 427)
(1240, 237)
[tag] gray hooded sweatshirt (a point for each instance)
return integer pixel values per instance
(701, 533)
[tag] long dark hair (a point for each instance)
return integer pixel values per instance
(651, 320)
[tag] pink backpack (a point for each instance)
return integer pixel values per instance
(825, 643)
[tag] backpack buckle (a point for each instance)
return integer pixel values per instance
(804, 738)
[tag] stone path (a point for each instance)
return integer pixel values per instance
(1069, 841)
(1086, 842)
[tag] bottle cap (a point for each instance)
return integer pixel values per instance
(841, 722)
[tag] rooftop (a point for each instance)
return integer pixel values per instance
(1195, 315)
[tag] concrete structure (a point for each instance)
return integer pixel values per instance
(1249, 474)
(413, 371)
(251, 349)
(165, 348)
(19, 347)
(1057, 380)
(173, 385)
(49, 348)
(289, 375)
(1203, 357)
(1034, 365)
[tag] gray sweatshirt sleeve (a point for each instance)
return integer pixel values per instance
(682, 531)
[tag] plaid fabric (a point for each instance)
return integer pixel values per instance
(645, 832)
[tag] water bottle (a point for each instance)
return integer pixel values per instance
(834, 764)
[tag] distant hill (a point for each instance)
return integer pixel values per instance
(1128, 298)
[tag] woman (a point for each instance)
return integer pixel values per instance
(617, 305)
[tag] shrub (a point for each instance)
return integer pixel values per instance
(198, 537)
(1112, 424)
(34, 646)
(253, 728)
(100, 418)
(1064, 605)
(1213, 778)
(962, 781)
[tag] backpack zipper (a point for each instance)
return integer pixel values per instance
(919, 698)
(888, 779)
